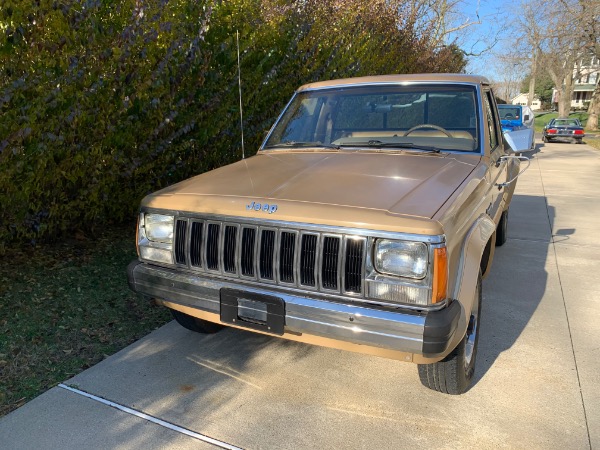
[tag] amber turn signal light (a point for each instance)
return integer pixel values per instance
(440, 275)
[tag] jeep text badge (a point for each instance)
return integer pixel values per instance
(262, 207)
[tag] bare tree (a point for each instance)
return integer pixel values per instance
(594, 108)
(590, 21)
(562, 51)
(560, 41)
(510, 66)
(568, 42)
(444, 22)
(532, 31)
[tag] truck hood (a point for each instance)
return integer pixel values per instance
(403, 183)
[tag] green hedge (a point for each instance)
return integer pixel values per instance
(103, 102)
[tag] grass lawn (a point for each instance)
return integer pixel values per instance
(64, 308)
(593, 142)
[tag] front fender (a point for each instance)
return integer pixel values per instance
(472, 251)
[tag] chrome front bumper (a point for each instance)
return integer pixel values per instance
(426, 334)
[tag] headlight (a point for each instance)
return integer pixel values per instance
(159, 228)
(155, 237)
(401, 258)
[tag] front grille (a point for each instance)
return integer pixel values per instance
(331, 253)
(196, 244)
(247, 257)
(212, 246)
(286, 257)
(181, 237)
(267, 253)
(325, 262)
(353, 269)
(229, 244)
(308, 258)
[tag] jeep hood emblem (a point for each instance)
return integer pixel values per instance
(262, 207)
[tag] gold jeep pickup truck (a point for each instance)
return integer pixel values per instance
(365, 222)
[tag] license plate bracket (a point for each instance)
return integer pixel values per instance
(251, 310)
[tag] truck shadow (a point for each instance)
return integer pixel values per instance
(531, 154)
(518, 279)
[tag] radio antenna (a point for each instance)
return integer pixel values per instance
(237, 34)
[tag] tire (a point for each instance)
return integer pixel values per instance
(453, 374)
(502, 229)
(544, 139)
(195, 324)
(578, 141)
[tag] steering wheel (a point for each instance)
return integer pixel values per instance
(508, 116)
(427, 125)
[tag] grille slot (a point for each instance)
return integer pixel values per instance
(353, 266)
(229, 245)
(267, 251)
(287, 250)
(212, 246)
(196, 244)
(247, 257)
(329, 270)
(181, 236)
(308, 259)
(317, 260)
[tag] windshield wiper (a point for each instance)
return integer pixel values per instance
(302, 144)
(379, 144)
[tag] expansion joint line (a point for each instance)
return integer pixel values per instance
(562, 293)
(149, 418)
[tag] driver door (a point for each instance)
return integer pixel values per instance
(498, 173)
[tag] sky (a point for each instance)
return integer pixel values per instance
(478, 37)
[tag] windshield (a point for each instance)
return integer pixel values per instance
(418, 117)
(509, 113)
(566, 123)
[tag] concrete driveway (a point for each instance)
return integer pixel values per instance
(537, 381)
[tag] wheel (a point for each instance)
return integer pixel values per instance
(502, 229)
(427, 125)
(195, 324)
(454, 373)
(545, 139)
(578, 141)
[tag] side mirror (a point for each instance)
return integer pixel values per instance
(526, 118)
(518, 141)
(509, 143)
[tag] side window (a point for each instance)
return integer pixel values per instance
(491, 121)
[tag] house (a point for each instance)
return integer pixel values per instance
(521, 99)
(586, 72)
